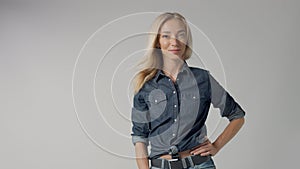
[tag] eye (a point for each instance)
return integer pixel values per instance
(165, 36)
(182, 35)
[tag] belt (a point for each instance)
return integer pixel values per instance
(189, 161)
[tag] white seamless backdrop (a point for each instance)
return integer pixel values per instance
(257, 41)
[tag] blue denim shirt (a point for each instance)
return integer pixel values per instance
(167, 113)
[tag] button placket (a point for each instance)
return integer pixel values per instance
(175, 100)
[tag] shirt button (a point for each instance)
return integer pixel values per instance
(175, 120)
(155, 101)
(174, 91)
(169, 79)
(177, 79)
(173, 135)
(175, 105)
(194, 97)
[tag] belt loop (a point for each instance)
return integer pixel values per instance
(191, 161)
(184, 163)
(169, 163)
(162, 166)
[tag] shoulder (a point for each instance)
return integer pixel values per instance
(146, 88)
(200, 72)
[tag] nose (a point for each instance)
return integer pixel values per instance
(174, 41)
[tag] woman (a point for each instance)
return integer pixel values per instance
(172, 100)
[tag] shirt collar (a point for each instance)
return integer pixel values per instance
(160, 73)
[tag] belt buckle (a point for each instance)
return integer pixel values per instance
(170, 162)
(173, 159)
(175, 164)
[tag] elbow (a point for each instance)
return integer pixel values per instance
(241, 121)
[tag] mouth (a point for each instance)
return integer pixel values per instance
(174, 51)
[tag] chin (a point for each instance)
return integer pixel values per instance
(173, 56)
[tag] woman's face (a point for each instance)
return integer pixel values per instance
(173, 38)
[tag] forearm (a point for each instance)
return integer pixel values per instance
(229, 132)
(141, 155)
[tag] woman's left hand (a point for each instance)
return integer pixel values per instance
(205, 149)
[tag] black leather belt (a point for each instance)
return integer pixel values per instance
(180, 163)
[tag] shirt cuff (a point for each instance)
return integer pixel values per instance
(142, 139)
(239, 113)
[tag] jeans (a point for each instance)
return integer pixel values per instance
(206, 165)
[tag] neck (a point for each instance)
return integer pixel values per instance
(171, 67)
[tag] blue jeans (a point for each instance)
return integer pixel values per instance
(206, 165)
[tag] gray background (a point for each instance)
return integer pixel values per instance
(258, 42)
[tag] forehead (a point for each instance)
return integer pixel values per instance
(173, 25)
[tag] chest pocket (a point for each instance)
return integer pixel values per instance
(158, 103)
(190, 102)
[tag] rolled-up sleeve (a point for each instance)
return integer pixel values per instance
(140, 119)
(221, 99)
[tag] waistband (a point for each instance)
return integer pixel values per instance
(181, 163)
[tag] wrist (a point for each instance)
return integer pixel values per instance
(217, 145)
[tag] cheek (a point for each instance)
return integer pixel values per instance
(164, 44)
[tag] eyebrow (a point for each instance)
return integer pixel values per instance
(170, 32)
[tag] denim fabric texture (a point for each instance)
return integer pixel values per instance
(167, 113)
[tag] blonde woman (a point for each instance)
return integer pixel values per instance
(172, 100)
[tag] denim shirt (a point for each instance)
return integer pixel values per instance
(167, 113)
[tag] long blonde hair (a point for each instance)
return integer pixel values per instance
(153, 57)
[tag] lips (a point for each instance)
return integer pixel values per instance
(174, 50)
